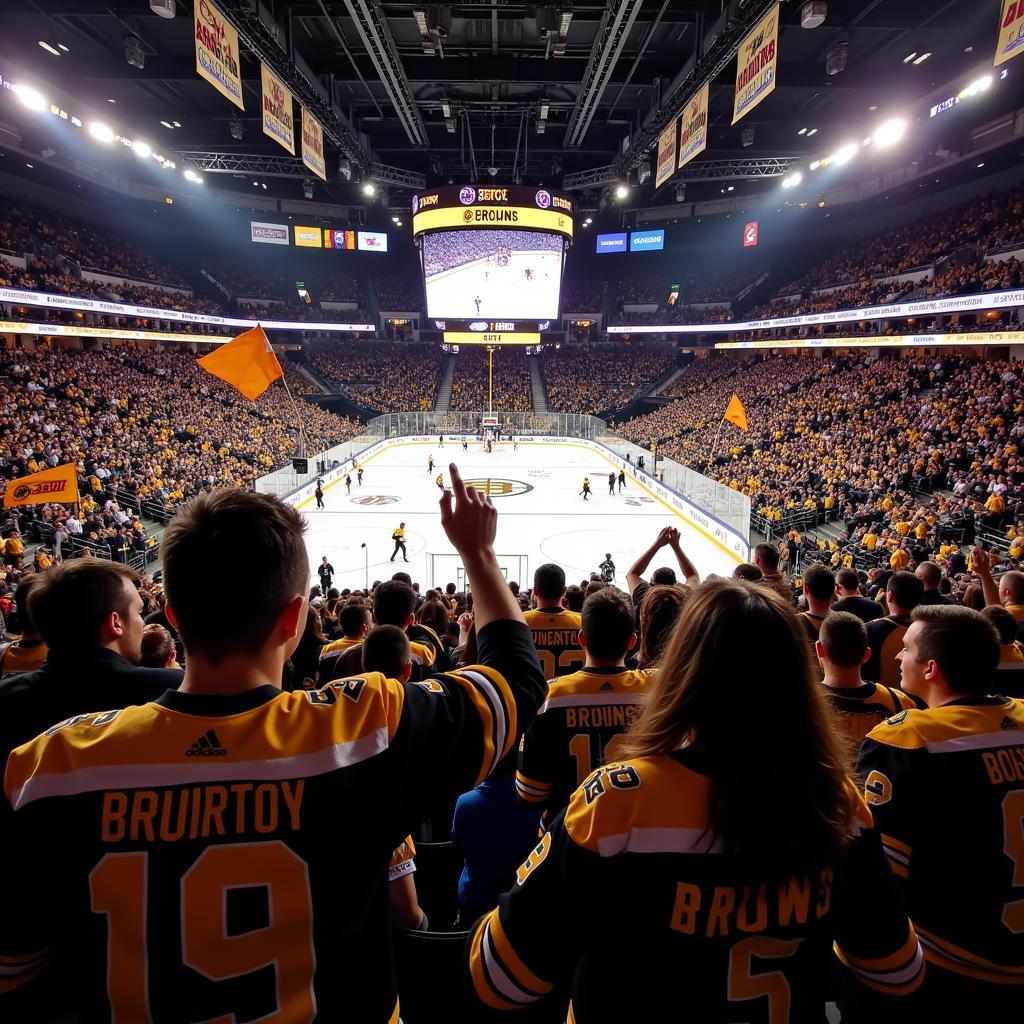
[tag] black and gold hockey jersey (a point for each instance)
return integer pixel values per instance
(946, 786)
(226, 858)
(632, 899)
(556, 635)
(567, 739)
(885, 638)
(861, 708)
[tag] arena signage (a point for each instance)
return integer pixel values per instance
(25, 298)
(273, 234)
(492, 338)
(646, 241)
(888, 341)
(928, 307)
(615, 242)
(509, 206)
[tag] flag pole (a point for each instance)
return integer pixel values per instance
(298, 418)
(714, 447)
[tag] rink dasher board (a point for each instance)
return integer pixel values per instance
(721, 535)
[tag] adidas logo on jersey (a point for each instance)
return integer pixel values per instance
(606, 686)
(206, 746)
(1008, 723)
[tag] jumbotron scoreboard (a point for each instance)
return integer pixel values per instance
(492, 259)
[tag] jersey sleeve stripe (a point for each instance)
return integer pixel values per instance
(14, 976)
(486, 990)
(898, 981)
(977, 741)
(895, 844)
(530, 791)
(526, 979)
(493, 699)
(961, 960)
(140, 776)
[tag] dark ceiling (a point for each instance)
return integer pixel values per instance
(494, 66)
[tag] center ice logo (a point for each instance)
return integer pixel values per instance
(500, 488)
(467, 195)
(374, 499)
(543, 199)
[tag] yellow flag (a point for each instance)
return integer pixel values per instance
(736, 413)
(59, 484)
(246, 362)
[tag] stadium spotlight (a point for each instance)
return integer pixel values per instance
(133, 52)
(977, 86)
(101, 132)
(141, 148)
(681, 193)
(747, 136)
(369, 189)
(621, 191)
(889, 133)
(193, 176)
(307, 188)
(844, 154)
(237, 129)
(32, 98)
(792, 180)
(345, 168)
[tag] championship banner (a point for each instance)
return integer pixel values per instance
(1011, 32)
(48, 330)
(694, 138)
(666, 154)
(974, 339)
(757, 64)
(278, 121)
(313, 145)
(217, 53)
(59, 484)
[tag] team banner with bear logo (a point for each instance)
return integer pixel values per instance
(278, 121)
(757, 64)
(217, 54)
(313, 145)
(694, 138)
(1011, 32)
(666, 154)
(59, 484)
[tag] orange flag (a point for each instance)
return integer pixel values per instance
(736, 413)
(59, 484)
(246, 362)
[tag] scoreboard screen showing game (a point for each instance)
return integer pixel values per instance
(492, 252)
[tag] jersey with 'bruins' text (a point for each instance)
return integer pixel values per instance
(885, 638)
(226, 858)
(567, 739)
(860, 709)
(556, 635)
(630, 883)
(946, 786)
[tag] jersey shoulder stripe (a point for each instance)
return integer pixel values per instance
(586, 688)
(955, 727)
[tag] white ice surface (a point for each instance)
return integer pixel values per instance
(549, 523)
(504, 292)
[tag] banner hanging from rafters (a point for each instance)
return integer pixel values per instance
(313, 145)
(1011, 32)
(278, 121)
(694, 137)
(757, 64)
(666, 154)
(217, 54)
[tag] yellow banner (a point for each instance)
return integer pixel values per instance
(666, 154)
(313, 145)
(757, 64)
(694, 138)
(217, 54)
(1011, 32)
(888, 341)
(492, 217)
(311, 238)
(278, 121)
(59, 484)
(499, 338)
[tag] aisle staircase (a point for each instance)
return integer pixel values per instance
(538, 392)
(443, 398)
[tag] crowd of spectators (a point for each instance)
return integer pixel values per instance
(404, 295)
(593, 379)
(511, 389)
(382, 376)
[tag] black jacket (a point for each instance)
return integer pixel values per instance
(96, 680)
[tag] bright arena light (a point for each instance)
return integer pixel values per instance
(369, 189)
(101, 132)
(889, 133)
(32, 98)
(143, 149)
(792, 180)
(621, 192)
(190, 175)
(845, 154)
(978, 85)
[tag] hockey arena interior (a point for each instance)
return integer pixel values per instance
(512, 512)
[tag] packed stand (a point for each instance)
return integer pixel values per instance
(590, 380)
(511, 380)
(381, 375)
(400, 296)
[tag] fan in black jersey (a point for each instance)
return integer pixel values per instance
(222, 853)
(819, 589)
(555, 629)
(842, 649)
(946, 786)
(885, 635)
(706, 877)
(585, 710)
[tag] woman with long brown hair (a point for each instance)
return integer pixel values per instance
(709, 873)
(659, 611)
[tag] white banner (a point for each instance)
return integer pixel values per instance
(24, 298)
(955, 304)
(887, 341)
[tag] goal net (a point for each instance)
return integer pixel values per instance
(446, 568)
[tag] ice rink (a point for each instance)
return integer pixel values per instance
(540, 515)
(504, 292)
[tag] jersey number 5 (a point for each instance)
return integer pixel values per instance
(118, 887)
(744, 984)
